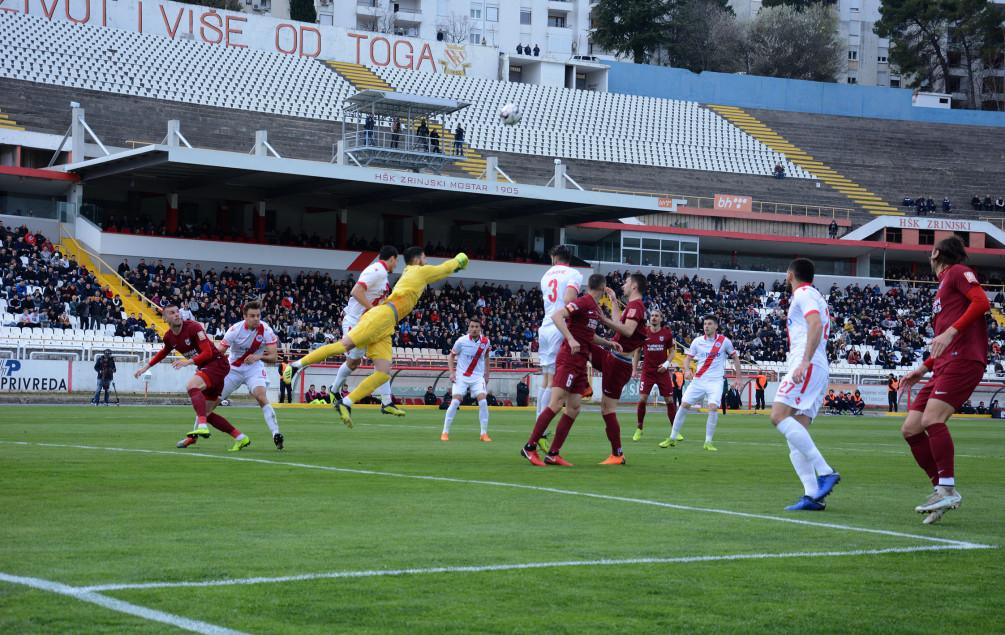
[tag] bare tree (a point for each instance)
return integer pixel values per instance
(387, 19)
(456, 29)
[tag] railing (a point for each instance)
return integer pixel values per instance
(405, 141)
(759, 207)
(998, 222)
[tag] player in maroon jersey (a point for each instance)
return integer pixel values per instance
(188, 338)
(958, 356)
(630, 332)
(655, 369)
(577, 322)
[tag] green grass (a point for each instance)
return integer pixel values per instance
(91, 517)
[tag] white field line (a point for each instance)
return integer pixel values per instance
(86, 595)
(520, 486)
(375, 573)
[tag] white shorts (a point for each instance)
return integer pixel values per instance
(700, 390)
(251, 375)
(549, 340)
(360, 351)
(475, 384)
(806, 397)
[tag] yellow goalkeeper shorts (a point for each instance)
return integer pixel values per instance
(374, 331)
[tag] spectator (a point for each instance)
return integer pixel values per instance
(907, 202)
(459, 140)
(311, 395)
(975, 203)
(989, 205)
(537, 51)
(779, 171)
(430, 397)
(832, 229)
(519, 49)
(1000, 204)
(947, 205)
(104, 366)
(434, 139)
(368, 127)
(981, 408)
(123, 267)
(422, 131)
(395, 132)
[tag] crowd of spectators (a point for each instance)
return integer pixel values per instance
(987, 204)
(43, 288)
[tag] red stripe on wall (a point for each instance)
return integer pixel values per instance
(362, 261)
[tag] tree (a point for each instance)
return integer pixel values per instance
(387, 19)
(303, 10)
(786, 42)
(976, 33)
(633, 27)
(456, 28)
(918, 31)
(705, 36)
(229, 5)
(799, 5)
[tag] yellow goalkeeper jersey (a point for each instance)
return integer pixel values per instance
(413, 281)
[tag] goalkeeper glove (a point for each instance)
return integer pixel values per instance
(462, 261)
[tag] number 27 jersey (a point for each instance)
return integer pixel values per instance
(553, 285)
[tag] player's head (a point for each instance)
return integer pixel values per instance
(311, 387)
(389, 254)
(597, 284)
(656, 318)
(947, 252)
(560, 255)
(415, 256)
(474, 327)
(252, 312)
(801, 271)
(710, 324)
(633, 283)
(172, 316)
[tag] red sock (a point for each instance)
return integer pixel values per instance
(941, 444)
(922, 452)
(541, 425)
(641, 413)
(613, 430)
(671, 410)
(561, 432)
(198, 403)
(223, 425)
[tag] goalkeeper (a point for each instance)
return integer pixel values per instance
(376, 327)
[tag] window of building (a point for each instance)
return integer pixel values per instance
(953, 84)
(658, 252)
(492, 13)
(965, 237)
(475, 37)
(525, 15)
(853, 55)
(476, 11)
(926, 236)
(894, 82)
(894, 235)
(882, 59)
(557, 21)
(852, 79)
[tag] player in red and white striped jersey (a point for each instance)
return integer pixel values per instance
(469, 372)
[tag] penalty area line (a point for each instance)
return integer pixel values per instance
(605, 562)
(119, 606)
(520, 486)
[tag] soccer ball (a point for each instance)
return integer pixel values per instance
(510, 114)
(225, 402)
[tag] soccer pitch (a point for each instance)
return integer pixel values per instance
(383, 528)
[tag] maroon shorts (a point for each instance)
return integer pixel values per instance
(617, 372)
(213, 374)
(952, 383)
(654, 378)
(570, 373)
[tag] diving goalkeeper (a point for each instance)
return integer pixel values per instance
(376, 327)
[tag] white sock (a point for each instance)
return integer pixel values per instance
(543, 399)
(270, 418)
(799, 437)
(346, 401)
(241, 437)
(807, 475)
(483, 415)
(947, 481)
(296, 364)
(384, 392)
(678, 421)
(448, 419)
(342, 376)
(710, 423)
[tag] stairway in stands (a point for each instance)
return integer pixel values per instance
(362, 78)
(6, 123)
(755, 128)
(998, 316)
(131, 302)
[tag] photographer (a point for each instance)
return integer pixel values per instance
(104, 366)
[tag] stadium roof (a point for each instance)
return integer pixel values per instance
(236, 176)
(37, 182)
(392, 104)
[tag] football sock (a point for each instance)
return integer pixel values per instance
(222, 424)
(320, 354)
(941, 443)
(270, 418)
(384, 392)
(561, 432)
(804, 471)
(710, 423)
(541, 425)
(671, 410)
(198, 404)
(448, 419)
(640, 412)
(483, 416)
(678, 422)
(342, 376)
(543, 399)
(799, 437)
(922, 451)
(368, 385)
(613, 430)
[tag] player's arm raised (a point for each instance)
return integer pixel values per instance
(814, 331)
(615, 307)
(433, 273)
(156, 359)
